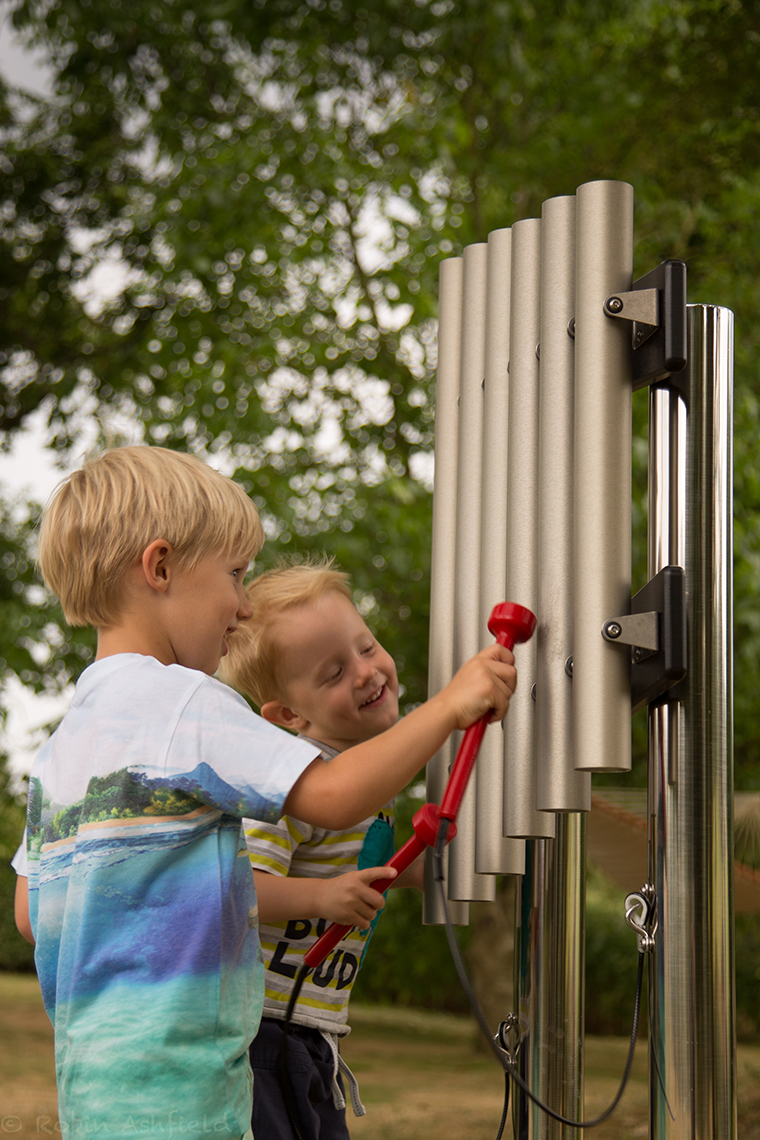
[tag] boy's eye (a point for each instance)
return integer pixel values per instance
(368, 648)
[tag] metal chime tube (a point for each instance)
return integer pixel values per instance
(551, 933)
(464, 884)
(441, 666)
(602, 491)
(495, 854)
(521, 817)
(691, 761)
(559, 787)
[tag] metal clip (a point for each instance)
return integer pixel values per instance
(511, 1047)
(640, 912)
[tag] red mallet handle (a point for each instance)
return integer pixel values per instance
(425, 824)
(510, 624)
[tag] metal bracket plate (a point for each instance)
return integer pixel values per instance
(657, 307)
(656, 629)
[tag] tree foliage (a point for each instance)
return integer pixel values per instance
(273, 185)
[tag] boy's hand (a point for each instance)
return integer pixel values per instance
(484, 684)
(350, 900)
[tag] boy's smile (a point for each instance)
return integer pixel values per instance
(340, 685)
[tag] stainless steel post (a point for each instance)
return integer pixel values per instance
(530, 995)
(495, 854)
(441, 664)
(549, 979)
(602, 492)
(691, 752)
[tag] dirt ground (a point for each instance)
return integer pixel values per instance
(420, 1077)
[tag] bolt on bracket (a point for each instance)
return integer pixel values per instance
(655, 630)
(656, 307)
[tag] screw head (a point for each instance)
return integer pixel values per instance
(612, 629)
(614, 305)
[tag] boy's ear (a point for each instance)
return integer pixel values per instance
(155, 564)
(278, 713)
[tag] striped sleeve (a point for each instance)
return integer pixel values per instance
(271, 845)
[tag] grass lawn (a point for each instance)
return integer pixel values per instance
(420, 1076)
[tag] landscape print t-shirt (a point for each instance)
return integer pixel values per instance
(141, 897)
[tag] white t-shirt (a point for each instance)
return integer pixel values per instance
(141, 896)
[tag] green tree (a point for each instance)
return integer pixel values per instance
(277, 182)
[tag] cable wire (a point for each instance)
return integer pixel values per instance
(504, 1058)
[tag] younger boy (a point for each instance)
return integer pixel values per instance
(143, 913)
(308, 660)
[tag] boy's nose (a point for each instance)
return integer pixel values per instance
(365, 670)
(245, 609)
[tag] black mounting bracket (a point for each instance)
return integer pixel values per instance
(655, 630)
(657, 308)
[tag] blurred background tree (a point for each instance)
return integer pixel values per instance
(222, 231)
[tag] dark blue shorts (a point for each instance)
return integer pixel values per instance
(310, 1073)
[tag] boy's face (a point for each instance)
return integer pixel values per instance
(341, 683)
(205, 605)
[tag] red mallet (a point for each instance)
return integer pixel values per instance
(510, 624)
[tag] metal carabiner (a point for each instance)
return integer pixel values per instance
(510, 1025)
(639, 912)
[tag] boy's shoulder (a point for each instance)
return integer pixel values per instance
(122, 674)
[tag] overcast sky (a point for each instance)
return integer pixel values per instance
(28, 467)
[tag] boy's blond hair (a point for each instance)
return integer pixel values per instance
(102, 517)
(254, 661)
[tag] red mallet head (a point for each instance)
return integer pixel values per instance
(510, 624)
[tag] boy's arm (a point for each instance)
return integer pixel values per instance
(347, 899)
(356, 782)
(21, 909)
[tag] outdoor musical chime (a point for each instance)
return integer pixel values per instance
(543, 336)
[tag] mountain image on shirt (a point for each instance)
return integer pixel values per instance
(206, 785)
(130, 794)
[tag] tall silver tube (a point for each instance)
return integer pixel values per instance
(691, 754)
(441, 664)
(521, 817)
(559, 787)
(464, 883)
(602, 492)
(549, 985)
(493, 853)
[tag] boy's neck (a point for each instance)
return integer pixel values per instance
(129, 637)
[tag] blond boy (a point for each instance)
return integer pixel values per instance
(143, 913)
(308, 660)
